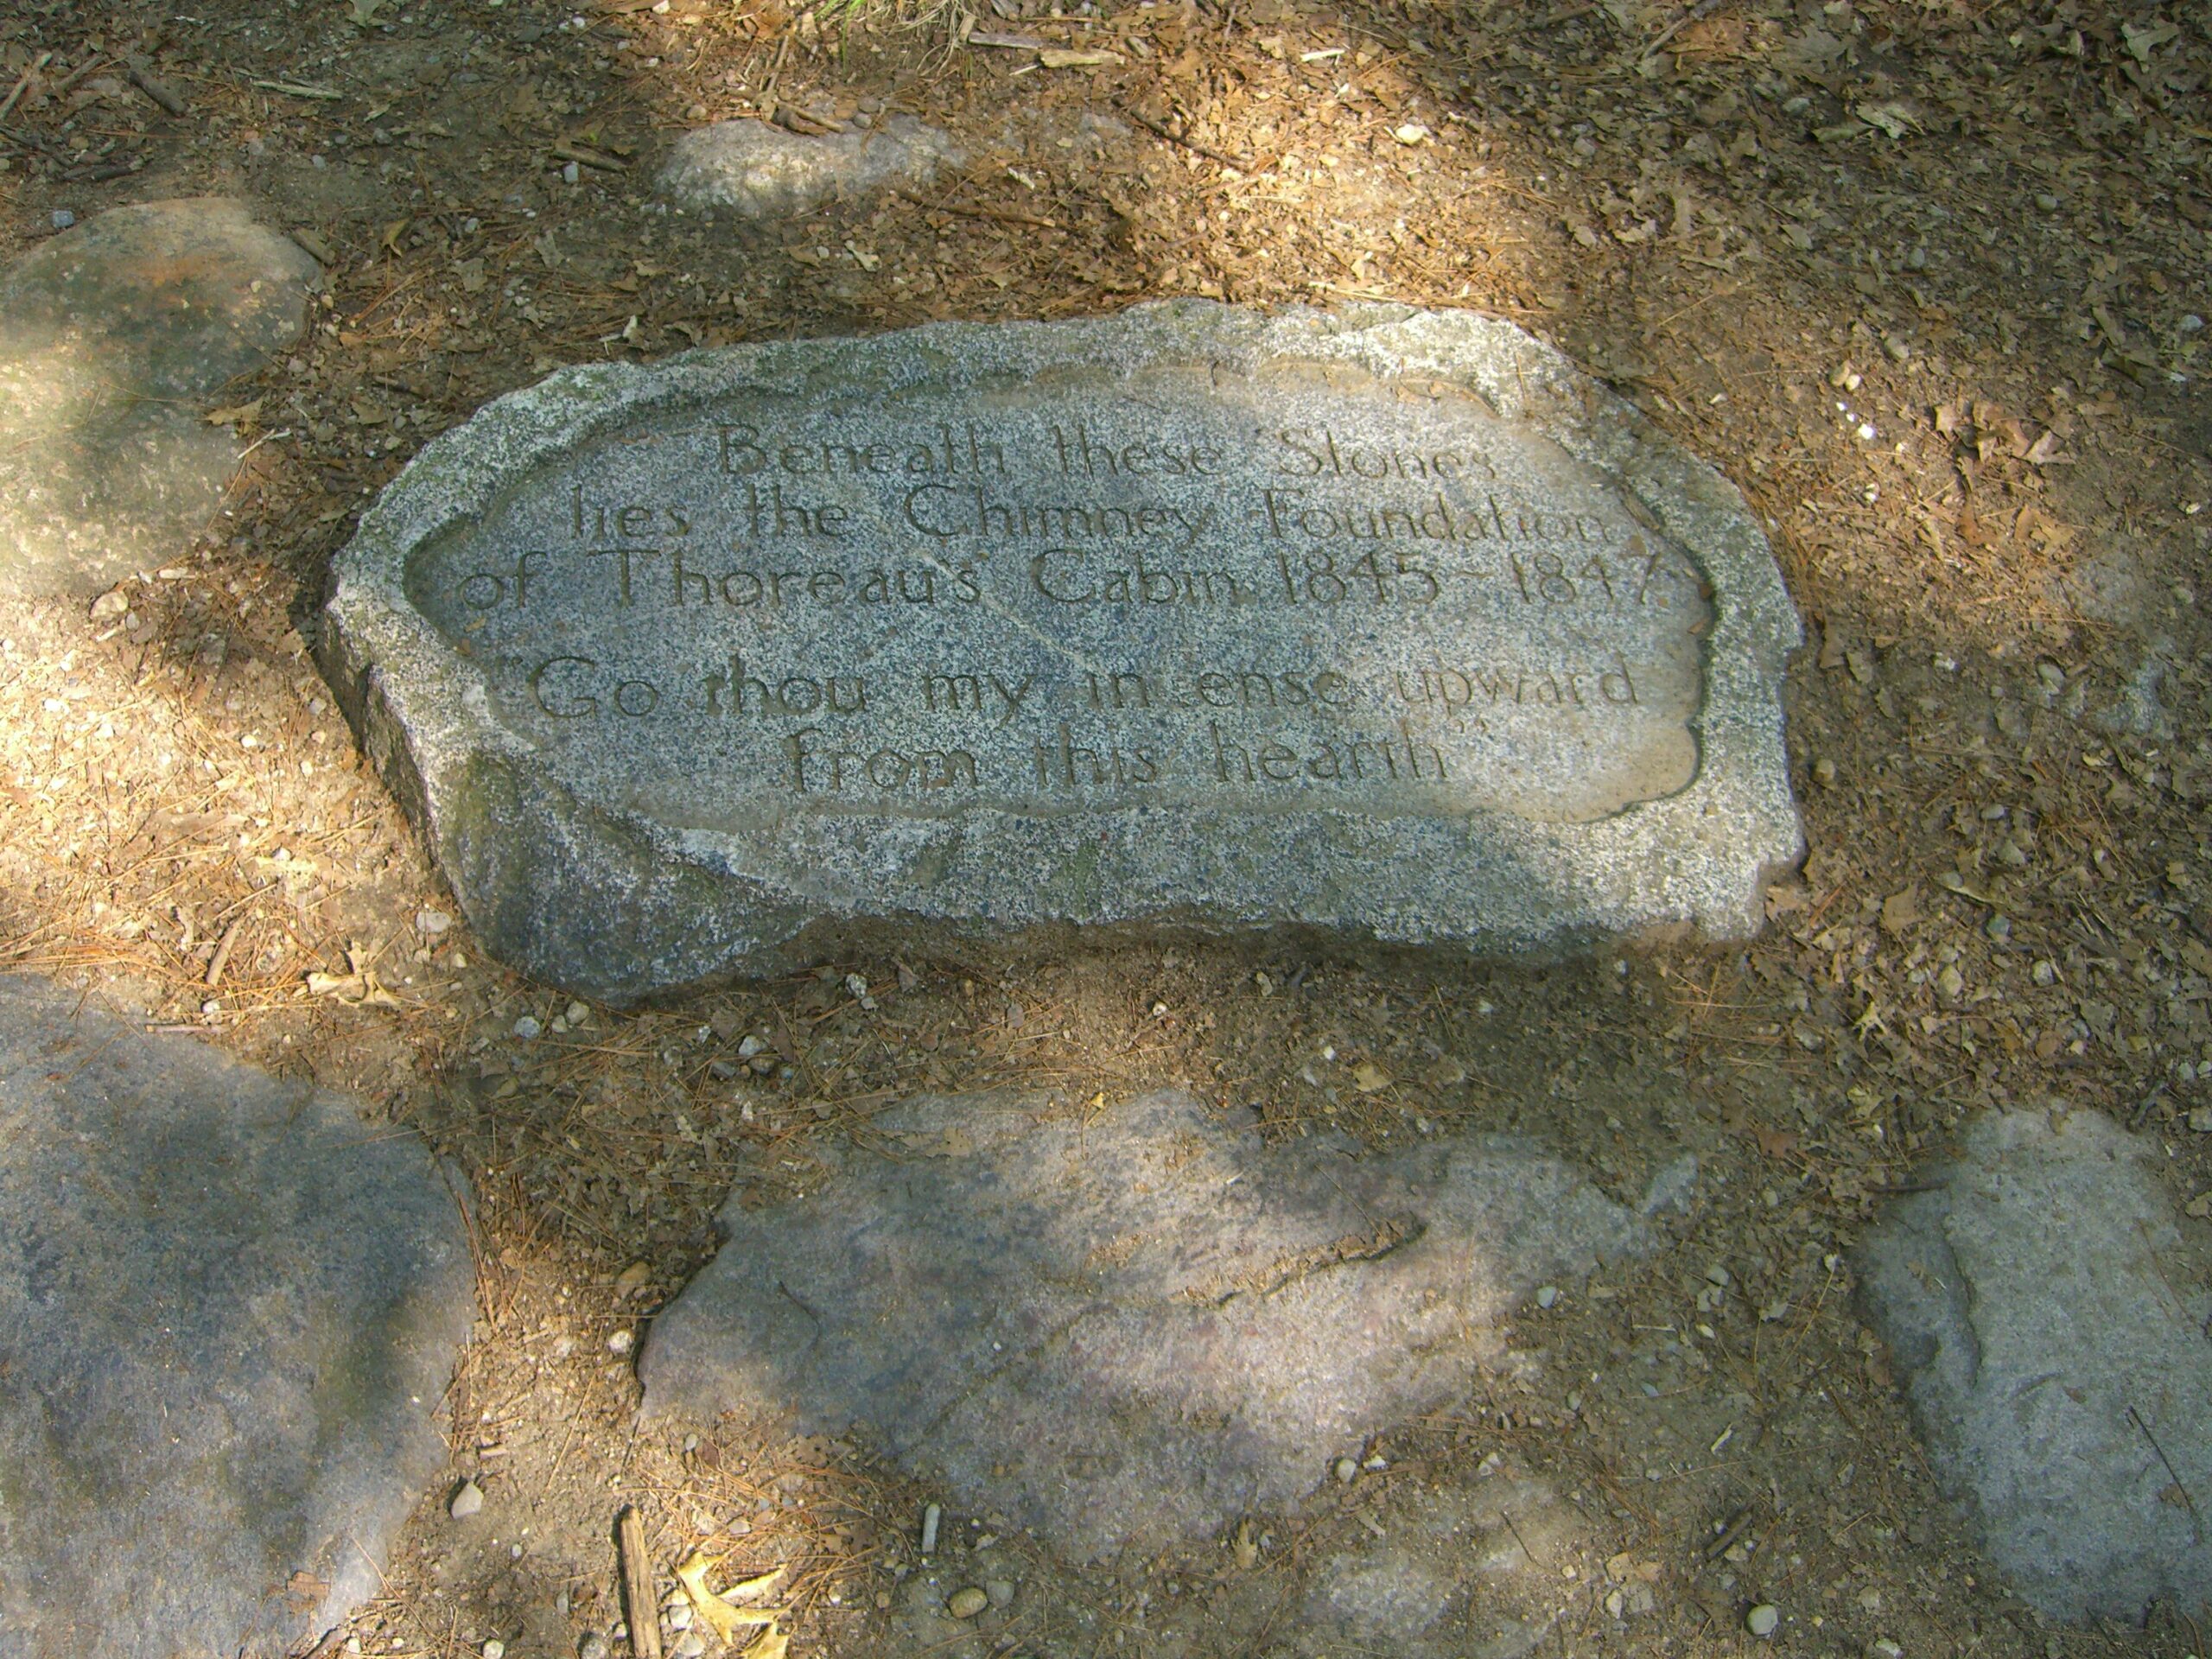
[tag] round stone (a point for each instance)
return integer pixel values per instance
(1763, 1619)
(966, 1604)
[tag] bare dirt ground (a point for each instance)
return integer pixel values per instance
(1922, 278)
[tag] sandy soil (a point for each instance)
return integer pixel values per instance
(1921, 278)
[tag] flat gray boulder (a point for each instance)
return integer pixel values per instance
(228, 1310)
(1387, 623)
(113, 337)
(1125, 1328)
(752, 170)
(2051, 1331)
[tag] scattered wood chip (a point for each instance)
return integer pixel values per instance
(1068, 57)
(639, 1601)
(1013, 42)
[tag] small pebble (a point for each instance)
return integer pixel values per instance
(1547, 1297)
(1347, 1470)
(63, 219)
(2200, 1120)
(577, 1013)
(679, 1616)
(930, 1514)
(619, 1342)
(966, 1604)
(432, 922)
(529, 1028)
(1000, 1591)
(571, 173)
(1762, 1619)
(690, 1645)
(465, 1502)
(593, 1646)
(495, 1649)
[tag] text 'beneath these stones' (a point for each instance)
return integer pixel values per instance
(1184, 616)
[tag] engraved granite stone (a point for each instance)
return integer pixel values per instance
(1387, 623)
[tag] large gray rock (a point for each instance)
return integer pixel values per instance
(1387, 623)
(1124, 1329)
(228, 1310)
(112, 336)
(2052, 1333)
(753, 170)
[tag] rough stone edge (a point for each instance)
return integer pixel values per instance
(1623, 1229)
(359, 1577)
(393, 675)
(1916, 1318)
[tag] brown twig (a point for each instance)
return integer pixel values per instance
(583, 157)
(641, 1605)
(1729, 1533)
(1697, 13)
(67, 84)
(2196, 1520)
(1190, 145)
(24, 84)
(221, 959)
(1002, 216)
(1518, 1539)
(143, 77)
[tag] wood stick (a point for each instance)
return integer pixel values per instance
(222, 956)
(1190, 145)
(67, 84)
(299, 89)
(143, 77)
(1001, 217)
(29, 75)
(640, 1603)
(583, 157)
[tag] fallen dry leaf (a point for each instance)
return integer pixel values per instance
(1774, 1143)
(1900, 911)
(728, 1623)
(754, 1588)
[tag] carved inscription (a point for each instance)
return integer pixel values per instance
(1170, 591)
